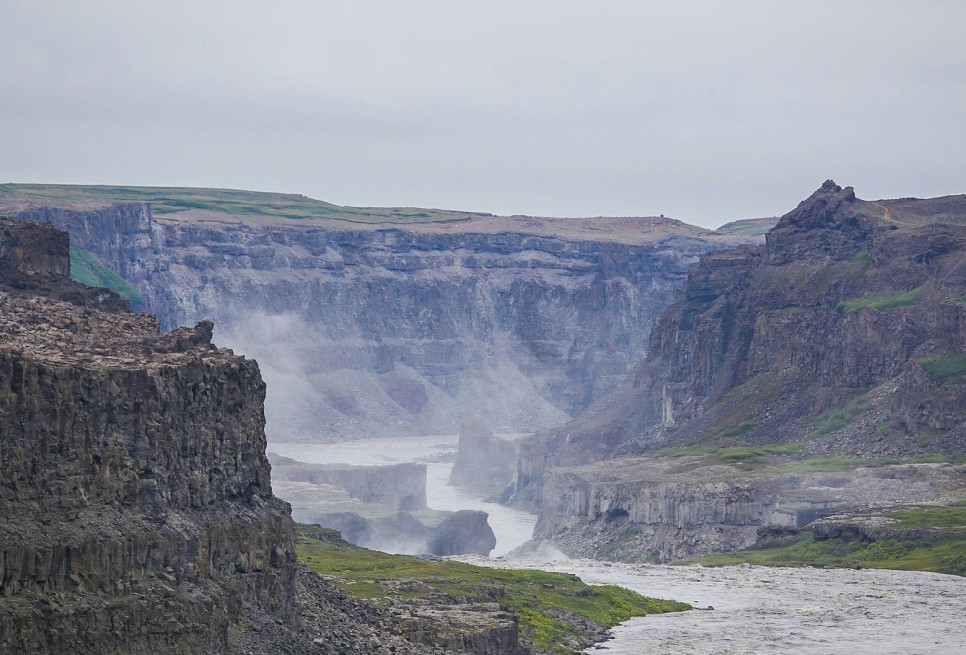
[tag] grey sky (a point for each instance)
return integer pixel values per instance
(705, 111)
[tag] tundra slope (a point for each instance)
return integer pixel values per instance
(371, 326)
(843, 335)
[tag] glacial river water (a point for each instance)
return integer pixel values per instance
(756, 609)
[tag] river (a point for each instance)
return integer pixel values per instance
(756, 609)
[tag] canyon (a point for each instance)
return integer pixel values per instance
(138, 511)
(372, 326)
(813, 374)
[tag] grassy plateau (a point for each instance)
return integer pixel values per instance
(168, 200)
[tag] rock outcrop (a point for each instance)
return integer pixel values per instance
(134, 489)
(846, 330)
(660, 509)
(484, 461)
(372, 330)
(379, 507)
(400, 487)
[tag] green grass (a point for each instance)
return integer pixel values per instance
(748, 227)
(534, 596)
(944, 553)
(838, 419)
(166, 200)
(933, 517)
(87, 269)
(944, 368)
(737, 430)
(881, 302)
(681, 451)
(758, 455)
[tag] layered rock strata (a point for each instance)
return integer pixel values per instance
(394, 486)
(843, 332)
(134, 489)
(376, 330)
(379, 507)
(484, 462)
(660, 509)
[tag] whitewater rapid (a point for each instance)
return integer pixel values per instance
(757, 610)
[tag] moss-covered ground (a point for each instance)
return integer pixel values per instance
(794, 458)
(882, 303)
(942, 552)
(944, 368)
(536, 597)
(87, 269)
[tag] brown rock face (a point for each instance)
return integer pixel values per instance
(134, 489)
(821, 336)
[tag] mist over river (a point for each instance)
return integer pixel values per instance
(756, 609)
(512, 527)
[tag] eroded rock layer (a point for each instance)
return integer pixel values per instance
(376, 330)
(846, 332)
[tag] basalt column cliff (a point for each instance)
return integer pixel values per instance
(380, 328)
(134, 489)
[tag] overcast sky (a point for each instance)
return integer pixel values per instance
(705, 111)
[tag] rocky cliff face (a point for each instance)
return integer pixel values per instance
(484, 461)
(846, 332)
(660, 509)
(134, 490)
(399, 487)
(365, 330)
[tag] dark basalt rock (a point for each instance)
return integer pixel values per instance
(136, 511)
(766, 341)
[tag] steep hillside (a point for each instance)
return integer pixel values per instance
(845, 332)
(379, 328)
(823, 372)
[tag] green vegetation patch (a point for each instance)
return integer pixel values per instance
(536, 597)
(737, 430)
(87, 269)
(838, 419)
(944, 553)
(167, 200)
(747, 227)
(944, 368)
(881, 303)
(933, 517)
(681, 451)
(758, 455)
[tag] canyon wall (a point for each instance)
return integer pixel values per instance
(399, 487)
(371, 330)
(845, 332)
(661, 509)
(843, 335)
(134, 489)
